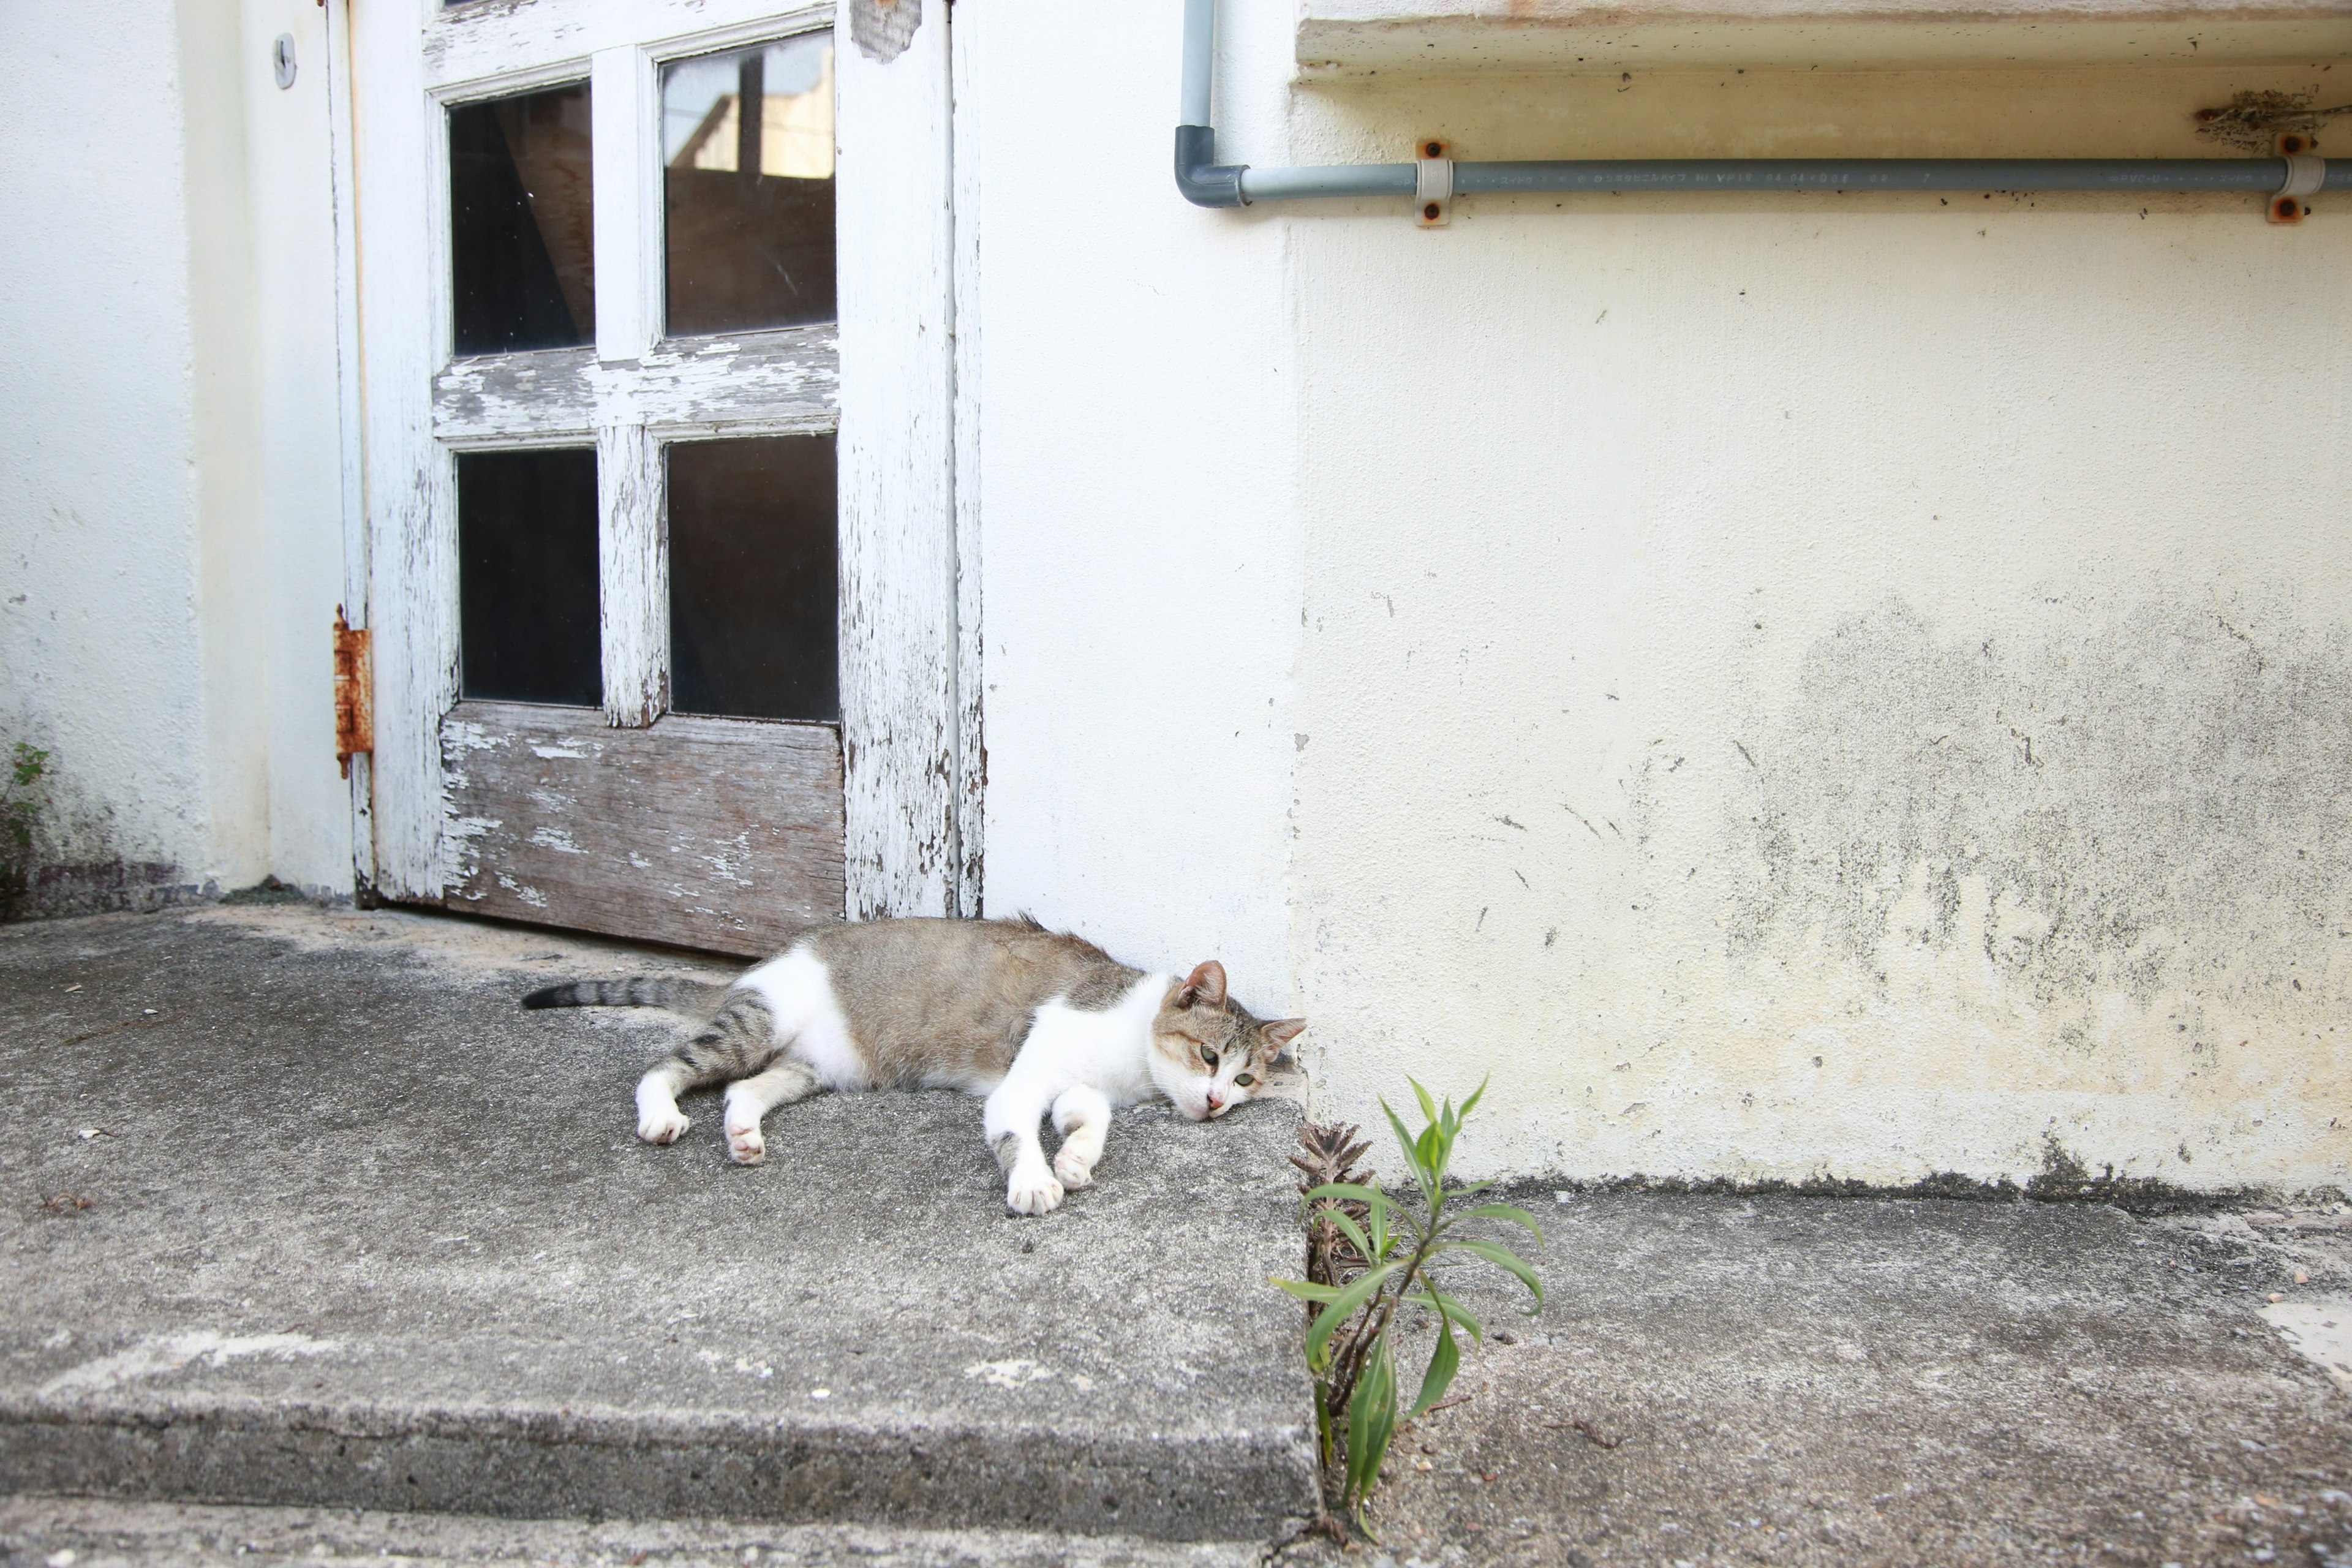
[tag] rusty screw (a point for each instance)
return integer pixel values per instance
(1433, 150)
(2291, 144)
(2286, 209)
(1430, 212)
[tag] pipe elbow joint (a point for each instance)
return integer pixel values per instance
(1202, 183)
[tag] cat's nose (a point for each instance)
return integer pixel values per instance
(1217, 1102)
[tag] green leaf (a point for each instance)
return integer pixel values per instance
(1307, 1290)
(1503, 1211)
(1371, 1417)
(1380, 1204)
(1370, 1198)
(1476, 1095)
(1504, 1258)
(1352, 1294)
(1455, 1312)
(1421, 1171)
(1428, 1106)
(1441, 1362)
(1348, 1228)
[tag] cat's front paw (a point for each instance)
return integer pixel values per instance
(1039, 1193)
(1075, 1171)
(662, 1126)
(745, 1146)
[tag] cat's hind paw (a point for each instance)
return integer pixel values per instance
(746, 1147)
(1032, 1194)
(1074, 1170)
(662, 1126)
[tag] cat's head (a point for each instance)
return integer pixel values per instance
(1208, 1054)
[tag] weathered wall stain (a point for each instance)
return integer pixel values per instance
(884, 29)
(2155, 803)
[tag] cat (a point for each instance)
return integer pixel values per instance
(1037, 1021)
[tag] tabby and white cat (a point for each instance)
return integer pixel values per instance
(1036, 1021)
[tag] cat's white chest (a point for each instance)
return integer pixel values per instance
(1106, 1051)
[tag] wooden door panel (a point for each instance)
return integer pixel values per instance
(713, 833)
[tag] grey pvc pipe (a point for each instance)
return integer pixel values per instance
(1200, 60)
(1206, 183)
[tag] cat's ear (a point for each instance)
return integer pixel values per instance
(1205, 987)
(1279, 1033)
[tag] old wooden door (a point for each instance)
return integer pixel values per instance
(654, 325)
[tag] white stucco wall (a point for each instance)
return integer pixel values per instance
(1137, 465)
(99, 638)
(164, 513)
(1678, 586)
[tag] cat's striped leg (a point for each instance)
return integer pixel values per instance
(740, 1039)
(1082, 1116)
(748, 1099)
(1009, 1122)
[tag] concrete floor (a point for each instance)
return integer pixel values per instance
(302, 1208)
(333, 1215)
(1803, 1381)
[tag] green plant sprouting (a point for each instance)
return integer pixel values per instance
(20, 808)
(1397, 1253)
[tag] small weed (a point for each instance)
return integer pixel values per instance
(269, 890)
(1371, 1253)
(21, 802)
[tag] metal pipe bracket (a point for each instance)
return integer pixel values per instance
(2306, 174)
(1433, 183)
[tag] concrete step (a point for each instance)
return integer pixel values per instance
(78, 1532)
(303, 1211)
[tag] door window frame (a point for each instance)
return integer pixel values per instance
(881, 379)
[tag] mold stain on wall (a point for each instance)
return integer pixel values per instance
(2152, 806)
(1954, 897)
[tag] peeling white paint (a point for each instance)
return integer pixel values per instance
(549, 835)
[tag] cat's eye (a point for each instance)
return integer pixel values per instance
(1242, 1080)
(1209, 1057)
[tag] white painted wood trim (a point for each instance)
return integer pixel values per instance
(781, 383)
(896, 456)
(624, 140)
(502, 45)
(965, 42)
(633, 576)
(403, 330)
(350, 436)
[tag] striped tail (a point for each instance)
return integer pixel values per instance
(637, 991)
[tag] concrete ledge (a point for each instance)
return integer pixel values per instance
(617, 1464)
(111, 1534)
(307, 1212)
(1365, 37)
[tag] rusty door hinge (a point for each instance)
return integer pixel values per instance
(354, 692)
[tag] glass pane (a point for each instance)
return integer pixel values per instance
(747, 144)
(753, 553)
(527, 576)
(522, 222)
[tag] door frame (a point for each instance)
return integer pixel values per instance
(910, 792)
